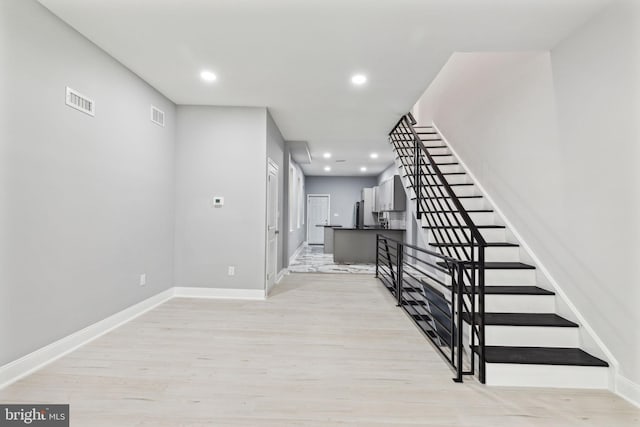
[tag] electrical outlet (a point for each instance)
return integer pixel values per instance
(231, 271)
(143, 279)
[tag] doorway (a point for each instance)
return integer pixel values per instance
(317, 217)
(272, 224)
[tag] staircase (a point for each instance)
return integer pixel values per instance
(513, 326)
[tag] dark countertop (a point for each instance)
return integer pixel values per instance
(373, 229)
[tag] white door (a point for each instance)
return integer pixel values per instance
(272, 224)
(317, 214)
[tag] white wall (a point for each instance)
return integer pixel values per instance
(596, 75)
(220, 151)
(553, 138)
(86, 203)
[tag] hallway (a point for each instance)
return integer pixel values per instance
(312, 259)
(323, 350)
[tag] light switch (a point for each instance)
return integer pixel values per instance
(218, 202)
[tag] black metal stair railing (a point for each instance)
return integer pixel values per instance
(459, 241)
(429, 286)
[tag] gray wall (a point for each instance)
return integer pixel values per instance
(220, 151)
(275, 151)
(86, 203)
(345, 191)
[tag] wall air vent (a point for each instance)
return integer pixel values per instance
(340, 161)
(157, 116)
(75, 99)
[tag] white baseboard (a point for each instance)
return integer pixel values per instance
(279, 277)
(36, 360)
(628, 390)
(252, 294)
(30, 363)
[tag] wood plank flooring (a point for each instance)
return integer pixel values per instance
(323, 350)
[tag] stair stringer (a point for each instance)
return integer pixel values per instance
(589, 339)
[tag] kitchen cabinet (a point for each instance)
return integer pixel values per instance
(376, 206)
(368, 206)
(391, 196)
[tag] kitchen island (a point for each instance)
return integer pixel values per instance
(358, 245)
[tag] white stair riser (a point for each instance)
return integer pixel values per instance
(520, 375)
(451, 168)
(466, 190)
(489, 234)
(502, 253)
(519, 303)
(435, 149)
(408, 166)
(447, 204)
(457, 179)
(485, 218)
(444, 159)
(509, 277)
(529, 336)
(460, 191)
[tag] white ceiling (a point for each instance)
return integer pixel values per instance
(296, 57)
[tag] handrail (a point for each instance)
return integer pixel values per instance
(426, 251)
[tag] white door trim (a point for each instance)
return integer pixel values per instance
(328, 196)
(272, 167)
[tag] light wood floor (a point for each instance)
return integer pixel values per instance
(324, 350)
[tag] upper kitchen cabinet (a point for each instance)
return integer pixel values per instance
(390, 196)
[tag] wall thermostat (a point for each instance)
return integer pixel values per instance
(218, 202)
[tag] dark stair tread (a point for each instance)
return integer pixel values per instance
(489, 244)
(435, 174)
(515, 290)
(498, 265)
(413, 303)
(523, 319)
(439, 164)
(464, 226)
(541, 356)
(511, 290)
(467, 210)
(410, 146)
(459, 197)
(411, 156)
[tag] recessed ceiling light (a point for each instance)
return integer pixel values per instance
(358, 79)
(327, 168)
(363, 169)
(327, 155)
(373, 155)
(208, 76)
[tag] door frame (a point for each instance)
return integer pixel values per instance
(328, 196)
(272, 166)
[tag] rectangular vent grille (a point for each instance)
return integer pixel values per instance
(75, 99)
(157, 116)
